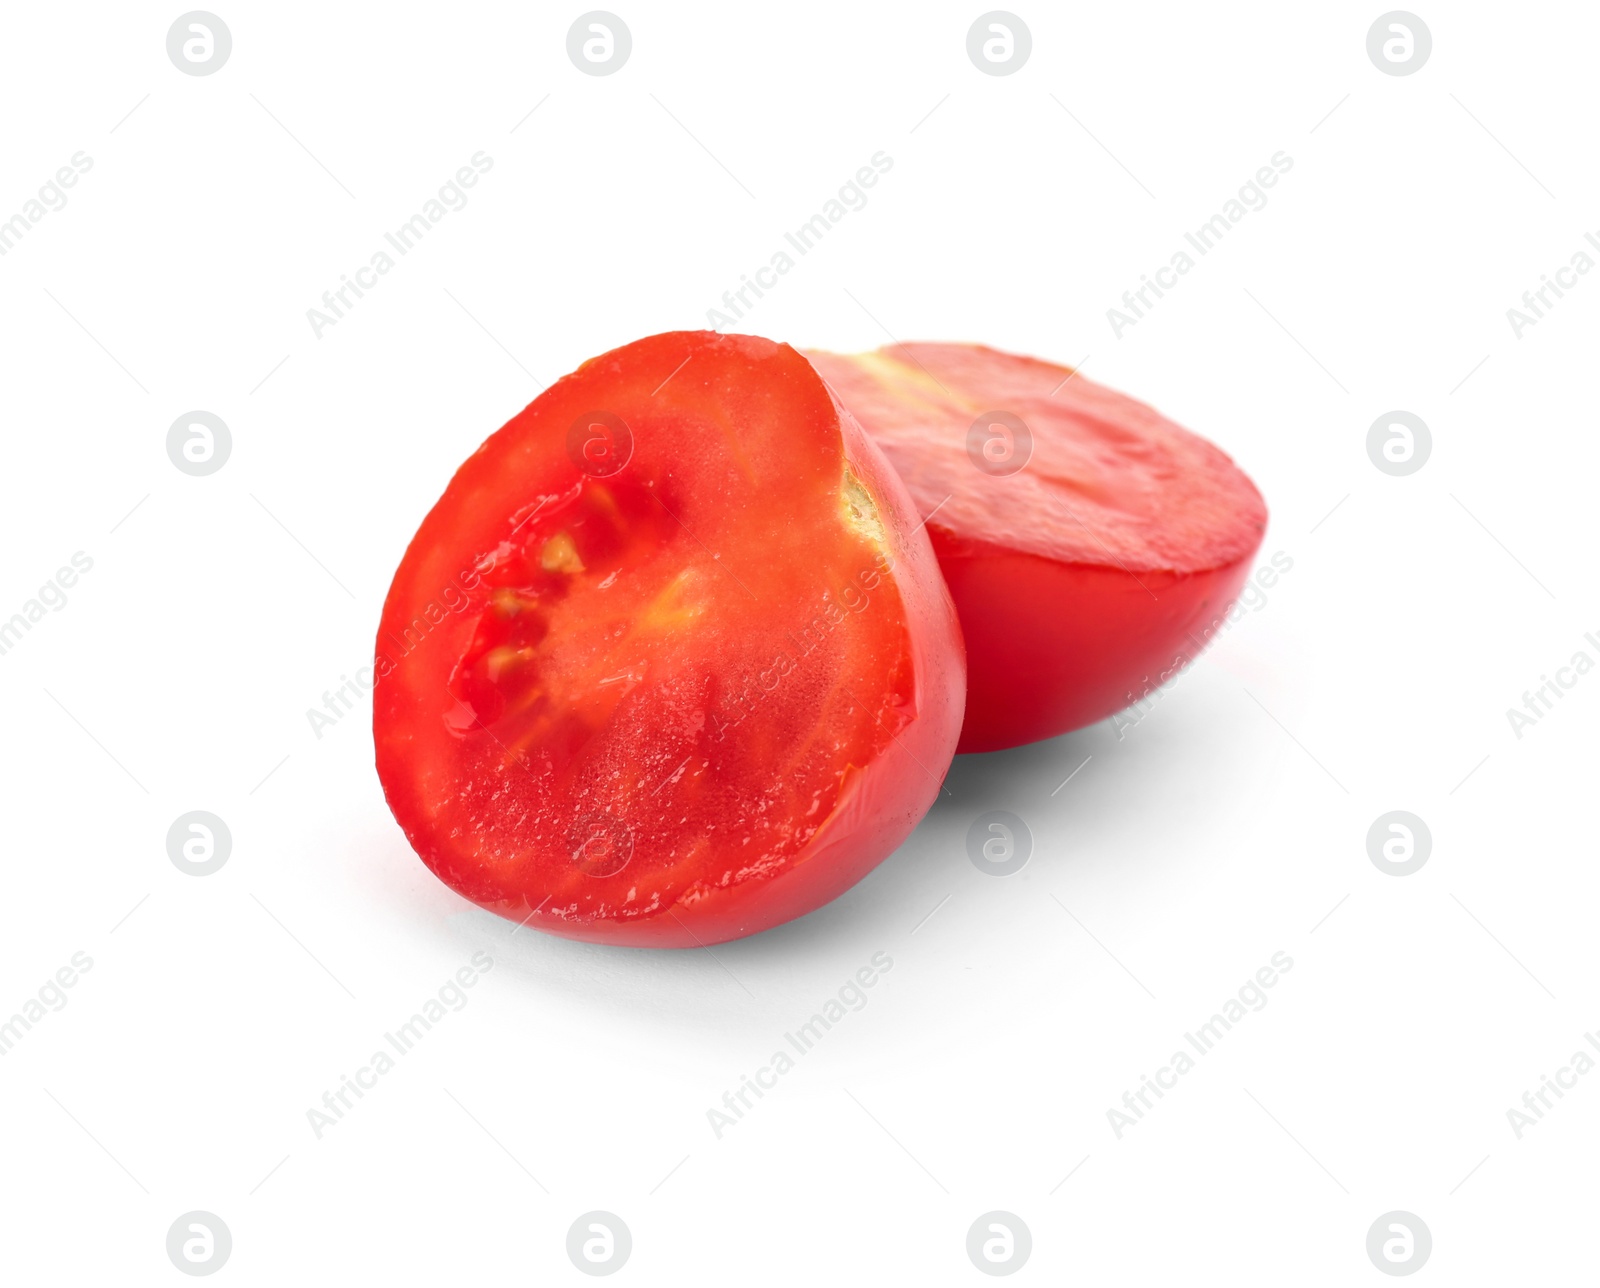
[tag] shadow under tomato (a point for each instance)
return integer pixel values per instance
(740, 988)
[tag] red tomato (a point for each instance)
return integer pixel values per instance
(1089, 543)
(671, 660)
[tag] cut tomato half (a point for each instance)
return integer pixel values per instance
(671, 660)
(1089, 543)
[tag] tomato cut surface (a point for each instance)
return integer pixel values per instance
(671, 660)
(1089, 543)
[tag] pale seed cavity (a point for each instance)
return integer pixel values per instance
(861, 511)
(560, 554)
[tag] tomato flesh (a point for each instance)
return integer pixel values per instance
(671, 660)
(1088, 552)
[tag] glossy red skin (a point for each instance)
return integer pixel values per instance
(1116, 644)
(880, 801)
(1053, 644)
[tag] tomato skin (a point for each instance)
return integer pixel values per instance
(423, 742)
(1108, 643)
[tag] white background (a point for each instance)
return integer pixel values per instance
(1227, 825)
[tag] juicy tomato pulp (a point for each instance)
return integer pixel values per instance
(671, 660)
(1090, 544)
